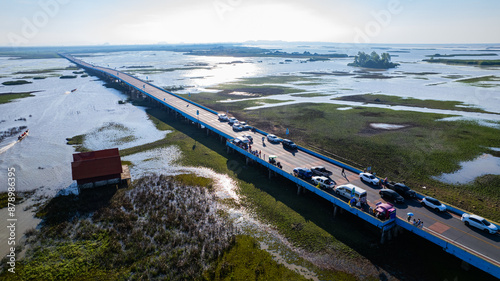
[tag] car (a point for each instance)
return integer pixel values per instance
(323, 182)
(232, 120)
(385, 211)
(479, 222)
(392, 195)
(369, 178)
(249, 137)
(223, 117)
(289, 144)
(321, 171)
(273, 138)
(303, 173)
(237, 127)
(433, 204)
(402, 189)
(241, 140)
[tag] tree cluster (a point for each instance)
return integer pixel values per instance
(373, 60)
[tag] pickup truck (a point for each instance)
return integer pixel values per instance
(402, 189)
(321, 171)
(324, 182)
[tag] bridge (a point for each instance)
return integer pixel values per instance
(443, 229)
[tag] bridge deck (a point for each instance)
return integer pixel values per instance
(477, 248)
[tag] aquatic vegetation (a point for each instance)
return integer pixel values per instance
(465, 62)
(16, 82)
(160, 228)
(394, 101)
(8, 97)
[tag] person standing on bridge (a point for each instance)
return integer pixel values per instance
(343, 172)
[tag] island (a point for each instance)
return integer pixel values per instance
(373, 61)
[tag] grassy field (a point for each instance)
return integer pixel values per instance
(424, 148)
(393, 100)
(305, 221)
(8, 97)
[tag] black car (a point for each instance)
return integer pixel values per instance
(321, 171)
(402, 189)
(392, 195)
(289, 144)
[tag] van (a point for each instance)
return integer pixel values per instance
(346, 190)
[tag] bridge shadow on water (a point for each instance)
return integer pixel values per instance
(407, 257)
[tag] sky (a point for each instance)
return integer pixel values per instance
(98, 22)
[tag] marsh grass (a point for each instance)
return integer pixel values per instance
(16, 82)
(77, 143)
(394, 101)
(160, 229)
(6, 97)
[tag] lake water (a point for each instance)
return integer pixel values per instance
(43, 159)
(483, 165)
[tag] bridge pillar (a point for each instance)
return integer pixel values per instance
(335, 209)
(208, 132)
(465, 265)
(382, 237)
(270, 173)
(299, 189)
(228, 150)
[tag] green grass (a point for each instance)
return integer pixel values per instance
(6, 98)
(16, 82)
(4, 199)
(465, 62)
(479, 79)
(246, 261)
(393, 100)
(77, 142)
(306, 221)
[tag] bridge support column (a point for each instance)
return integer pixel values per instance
(382, 237)
(208, 132)
(299, 189)
(335, 209)
(465, 266)
(228, 150)
(270, 173)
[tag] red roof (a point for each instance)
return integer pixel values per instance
(96, 165)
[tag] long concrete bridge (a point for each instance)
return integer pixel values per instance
(444, 229)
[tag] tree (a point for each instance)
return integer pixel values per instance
(373, 60)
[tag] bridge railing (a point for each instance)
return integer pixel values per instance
(464, 254)
(329, 197)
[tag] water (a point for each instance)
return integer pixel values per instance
(413, 78)
(483, 165)
(43, 158)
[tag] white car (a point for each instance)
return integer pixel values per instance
(233, 120)
(369, 178)
(237, 127)
(273, 138)
(433, 204)
(323, 182)
(223, 117)
(480, 223)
